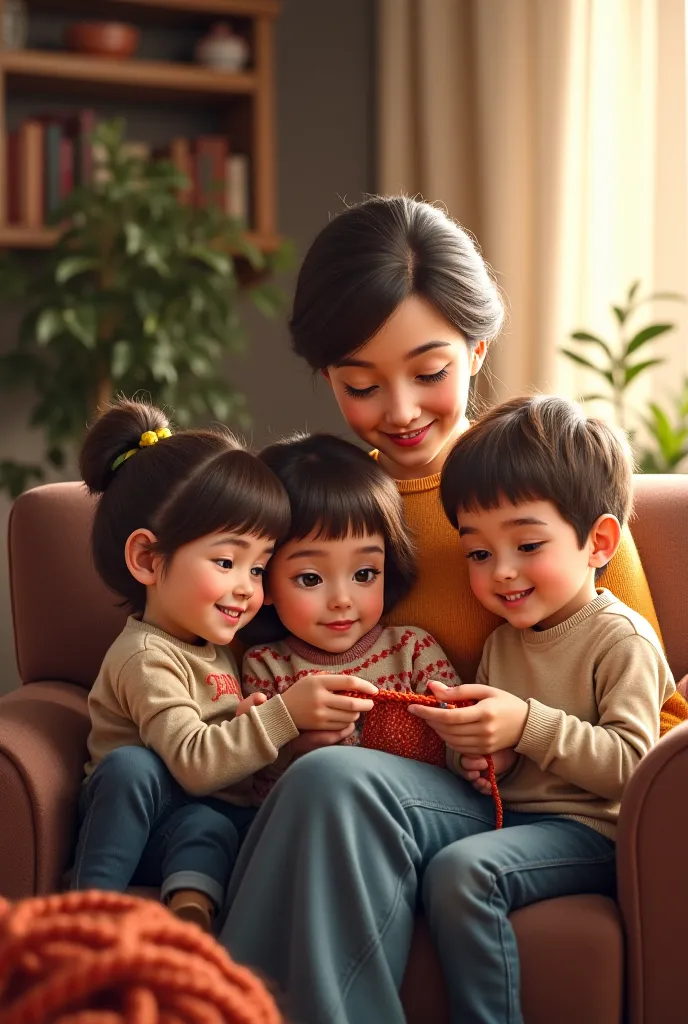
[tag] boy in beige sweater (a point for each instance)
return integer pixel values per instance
(573, 682)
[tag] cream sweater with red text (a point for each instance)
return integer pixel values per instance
(179, 700)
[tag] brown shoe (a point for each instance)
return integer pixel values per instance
(192, 906)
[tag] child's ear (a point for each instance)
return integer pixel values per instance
(142, 562)
(326, 374)
(605, 537)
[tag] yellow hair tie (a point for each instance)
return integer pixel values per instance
(148, 437)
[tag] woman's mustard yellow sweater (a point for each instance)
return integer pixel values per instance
(442, 601)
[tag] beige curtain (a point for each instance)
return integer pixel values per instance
(555, 130)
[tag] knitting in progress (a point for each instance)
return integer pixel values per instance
(391, 728)
(106, 958)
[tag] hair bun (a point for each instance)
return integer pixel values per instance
(116, 431)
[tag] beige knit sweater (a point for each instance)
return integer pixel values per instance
(179, 700)
(594, 686)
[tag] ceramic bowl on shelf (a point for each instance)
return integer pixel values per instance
(222, 49)
(113, 39)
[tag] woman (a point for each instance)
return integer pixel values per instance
(396, 307)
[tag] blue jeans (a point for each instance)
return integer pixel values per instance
(139, 826)
(348, 845)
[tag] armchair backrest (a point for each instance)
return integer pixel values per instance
(65, 618)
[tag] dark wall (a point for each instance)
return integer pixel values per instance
(325, 106)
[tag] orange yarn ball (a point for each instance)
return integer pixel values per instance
(107, 958)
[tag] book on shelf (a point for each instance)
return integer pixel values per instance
(45, 158)
(31, 171)
(181, 156)
(237, 187)
(210, 153)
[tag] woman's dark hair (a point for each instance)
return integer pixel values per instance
(186, 486)
(336, 489)
(374, 255)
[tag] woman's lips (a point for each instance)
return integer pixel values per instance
(410, 438)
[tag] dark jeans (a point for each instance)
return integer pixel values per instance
(139, 826)
(344, 849)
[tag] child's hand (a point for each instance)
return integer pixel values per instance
(312, 739)
(252, 701)
(682, 687)
(313, 702)
(471, 768)
(496, 721)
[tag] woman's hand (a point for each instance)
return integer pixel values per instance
(313, 739)
(472, 768)
(313, 702)
(496, 721)
(252, 701)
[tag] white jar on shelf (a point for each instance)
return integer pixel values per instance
(222, 49)
(15, 25)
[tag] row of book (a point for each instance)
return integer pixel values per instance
(48, 156)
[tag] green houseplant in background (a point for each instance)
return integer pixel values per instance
(621, 362)
(140, 294)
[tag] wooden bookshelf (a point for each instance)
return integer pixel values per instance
(157, 77)
(15, 236)
(247, 97)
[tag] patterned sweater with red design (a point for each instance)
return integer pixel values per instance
(180, 700)
(391, 657)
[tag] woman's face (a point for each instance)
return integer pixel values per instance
(405, 392)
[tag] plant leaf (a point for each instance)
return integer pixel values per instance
(587, 337)
(647, 334)
(632, 290)
(631, 372)
(621, 314)
(49, 323)
(73, 265)
(588, 365)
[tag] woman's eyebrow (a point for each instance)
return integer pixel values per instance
(418, 351)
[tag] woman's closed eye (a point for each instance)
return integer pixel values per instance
(434, 378)
(366, 575)
(359, 392)
(308, 580)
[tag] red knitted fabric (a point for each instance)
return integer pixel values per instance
(391, 728)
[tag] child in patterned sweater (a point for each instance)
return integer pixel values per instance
(346, 561)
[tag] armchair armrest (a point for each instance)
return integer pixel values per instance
(652, 887)
(43, 732)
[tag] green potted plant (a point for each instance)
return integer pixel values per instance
(140, 294)
(621, 363)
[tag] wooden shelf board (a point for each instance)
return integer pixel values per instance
(143, 76)
(16, 236)
(165, 8)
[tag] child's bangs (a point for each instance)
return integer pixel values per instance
(233, 493)
(483, 480)
(329, 513)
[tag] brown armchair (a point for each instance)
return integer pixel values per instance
(581, 956)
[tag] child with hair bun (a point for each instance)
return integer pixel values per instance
(183, 531)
